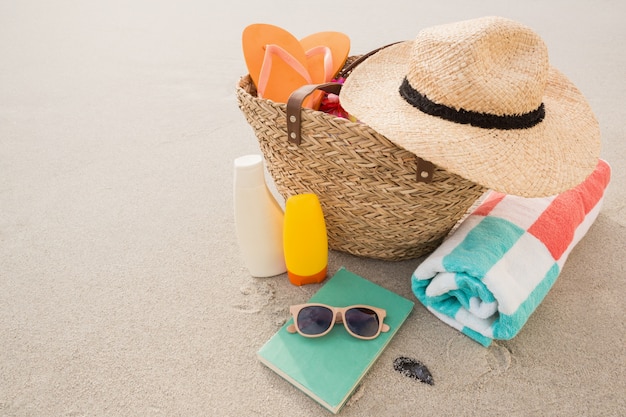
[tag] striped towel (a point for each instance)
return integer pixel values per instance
(492, 272)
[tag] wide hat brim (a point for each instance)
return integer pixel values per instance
(555, 155)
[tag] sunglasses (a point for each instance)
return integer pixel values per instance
(315, 320)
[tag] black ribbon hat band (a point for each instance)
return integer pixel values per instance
(462, 116)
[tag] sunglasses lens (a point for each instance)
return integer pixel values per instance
(362, 321)
(314, 320)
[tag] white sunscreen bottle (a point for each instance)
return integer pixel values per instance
(258, 219)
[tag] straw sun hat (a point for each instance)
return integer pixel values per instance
(480, 99)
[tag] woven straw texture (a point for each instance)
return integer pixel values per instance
(373, 206)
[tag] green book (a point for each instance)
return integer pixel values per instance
(329, 368)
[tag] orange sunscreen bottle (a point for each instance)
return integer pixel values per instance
(305, 242)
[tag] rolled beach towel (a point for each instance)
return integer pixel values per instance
(492, 272)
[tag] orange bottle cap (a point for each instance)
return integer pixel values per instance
(310, 279)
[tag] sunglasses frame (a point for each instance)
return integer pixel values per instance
(338, 317)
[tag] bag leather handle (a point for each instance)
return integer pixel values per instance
(294, 103)
(424, 169)
(294, 107)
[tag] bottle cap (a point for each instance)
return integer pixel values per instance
(249, 171)
(300, 280)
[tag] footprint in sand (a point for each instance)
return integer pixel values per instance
(255, 296)
(498, 358)
(480, 364)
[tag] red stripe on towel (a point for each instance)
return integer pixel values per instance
(594, 187)
(490, 202)
(557, 224)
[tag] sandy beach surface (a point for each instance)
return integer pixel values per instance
(122, 287)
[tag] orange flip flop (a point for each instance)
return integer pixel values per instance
(326, 54)
(276, 61)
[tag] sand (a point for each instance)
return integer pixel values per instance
(122, 288)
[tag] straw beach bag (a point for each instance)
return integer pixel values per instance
(379, 201)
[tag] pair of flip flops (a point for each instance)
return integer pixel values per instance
(279, 63)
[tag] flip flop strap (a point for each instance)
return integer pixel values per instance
(328, 60)
(266, 67)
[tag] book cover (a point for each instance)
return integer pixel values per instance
(329, 368)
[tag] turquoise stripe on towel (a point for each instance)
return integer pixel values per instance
(465, 258)
(471, 265)
(444, 304)
(471, 287)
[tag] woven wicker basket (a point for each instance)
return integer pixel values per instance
(373, 204)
